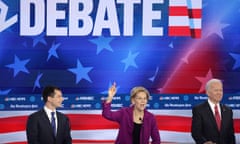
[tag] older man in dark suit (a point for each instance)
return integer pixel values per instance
(48, 126)
(212, 122)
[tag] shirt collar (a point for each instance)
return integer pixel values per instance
(48, 111)
(212, 104)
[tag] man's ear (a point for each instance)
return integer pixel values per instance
(48, 98)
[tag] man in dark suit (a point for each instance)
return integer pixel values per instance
(48, 126)
(212, 122)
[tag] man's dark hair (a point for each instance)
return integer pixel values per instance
(49, 91)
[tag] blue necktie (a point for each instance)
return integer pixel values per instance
(53, 123)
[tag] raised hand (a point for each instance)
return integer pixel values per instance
(111, 92)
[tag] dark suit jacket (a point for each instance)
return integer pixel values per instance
(204, 126)
(39, 130)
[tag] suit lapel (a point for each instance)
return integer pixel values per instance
(58, 124)
(47, 122)
(211, 114)
(223, 118)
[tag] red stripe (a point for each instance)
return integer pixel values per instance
(93, 122)
(97, 122)
(179, 31)
(90, 122)
(195, 13)
(174, 123)
(13, 124)
(184, 11)
(178, 11)
(196, 33)
(17, 143)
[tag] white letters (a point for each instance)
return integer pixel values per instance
(75, 15)
(108, 8)
(128, 15)
(25, 17)
(52, 16)
(148, 16)
(79, 18)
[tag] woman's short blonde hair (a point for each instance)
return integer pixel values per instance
(138, 89)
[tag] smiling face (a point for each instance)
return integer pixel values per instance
(215, 92)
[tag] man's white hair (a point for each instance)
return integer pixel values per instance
(210, 82)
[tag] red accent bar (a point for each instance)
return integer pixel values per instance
(178, 11)
(179, 31)
(195, 13)
(196, 33)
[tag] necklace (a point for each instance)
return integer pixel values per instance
(138, 116)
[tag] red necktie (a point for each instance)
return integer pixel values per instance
(217, 117)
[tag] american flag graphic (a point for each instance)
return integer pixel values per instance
(173, 67)
(185, 18)
(90, 127)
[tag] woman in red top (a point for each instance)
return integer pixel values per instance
(137, 125)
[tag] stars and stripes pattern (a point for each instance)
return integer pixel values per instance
(88, 65)
(185, 18)
(90, 127)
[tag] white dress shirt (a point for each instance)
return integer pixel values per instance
(48, 111)
(212, 105)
